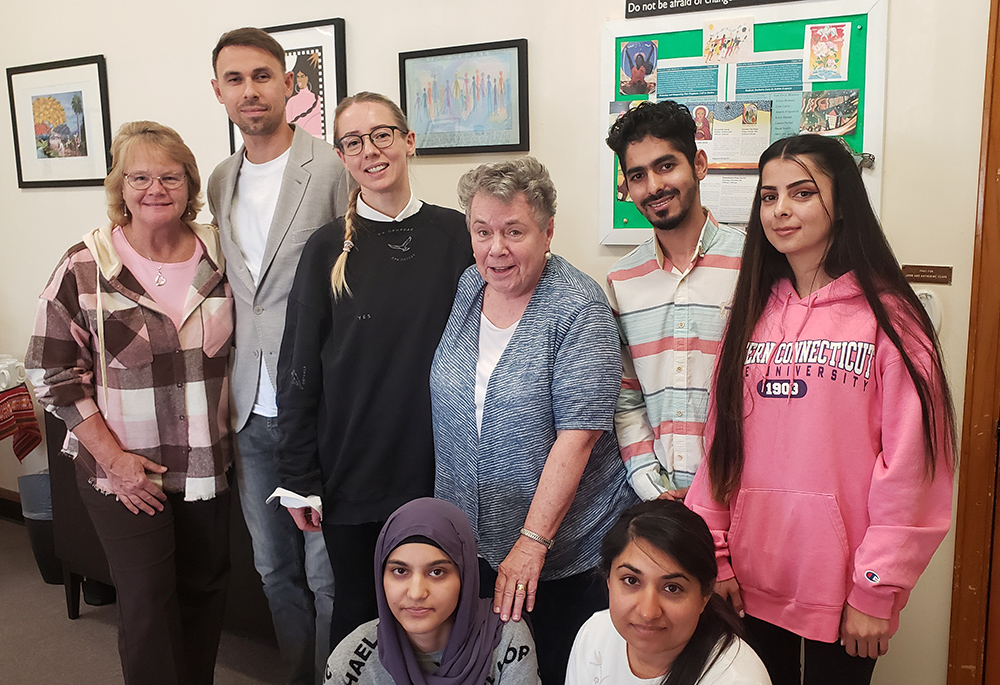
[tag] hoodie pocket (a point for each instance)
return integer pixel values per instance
(791, 545)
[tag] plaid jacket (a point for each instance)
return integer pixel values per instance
(164, 392)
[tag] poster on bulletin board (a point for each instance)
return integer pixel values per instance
(749, 76)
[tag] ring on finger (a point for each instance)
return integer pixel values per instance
(521, 587)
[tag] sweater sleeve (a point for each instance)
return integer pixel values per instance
(300, 371)
(514, 660)
(909, 512)
(59, 358)
(586, 373)
(632, 427)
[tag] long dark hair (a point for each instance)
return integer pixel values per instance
(680, 533)
(858, 245)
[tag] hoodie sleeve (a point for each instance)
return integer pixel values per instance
(909, 511)
(717, 516)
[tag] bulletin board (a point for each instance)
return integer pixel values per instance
(750, 76)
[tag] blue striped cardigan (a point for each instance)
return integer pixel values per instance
(561, 370)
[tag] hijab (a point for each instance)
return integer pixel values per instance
(476, 632)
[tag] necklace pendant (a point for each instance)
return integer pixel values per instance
(160, 280)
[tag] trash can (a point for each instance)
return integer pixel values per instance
(36, 506)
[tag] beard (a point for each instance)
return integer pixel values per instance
(260, 126)
(668, 221)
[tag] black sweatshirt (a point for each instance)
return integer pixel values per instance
(353, 396)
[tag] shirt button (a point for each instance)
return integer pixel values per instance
(181, 417)
(680, 413)
(258, 310)
(256, 353)
(180, 385)
(680, 368)
(680, 324)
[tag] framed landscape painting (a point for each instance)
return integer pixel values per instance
(61, 124)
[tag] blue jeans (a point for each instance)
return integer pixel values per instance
(294, 566)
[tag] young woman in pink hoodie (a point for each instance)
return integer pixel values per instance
(828, 481)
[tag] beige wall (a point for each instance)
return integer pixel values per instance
(159, 68)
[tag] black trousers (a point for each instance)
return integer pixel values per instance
(171, 571)
(825, 663)
(561, 607)
(352, 555)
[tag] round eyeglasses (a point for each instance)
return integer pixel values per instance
(381, 137)
(144, 181)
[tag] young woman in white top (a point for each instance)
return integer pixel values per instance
(665, 624)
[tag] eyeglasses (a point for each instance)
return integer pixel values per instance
(143, 181)
(381, 137)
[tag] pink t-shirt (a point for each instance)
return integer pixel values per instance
(172, 293)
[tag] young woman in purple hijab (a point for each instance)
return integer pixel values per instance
(432, 629)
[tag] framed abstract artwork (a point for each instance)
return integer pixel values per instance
(467, 98)
(61, 125)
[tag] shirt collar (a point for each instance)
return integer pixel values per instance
(411, 208)
(705, 240)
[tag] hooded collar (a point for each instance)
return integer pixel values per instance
(99, 243)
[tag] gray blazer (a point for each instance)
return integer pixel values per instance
(314, 191)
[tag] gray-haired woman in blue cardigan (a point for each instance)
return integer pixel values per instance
(523, 391)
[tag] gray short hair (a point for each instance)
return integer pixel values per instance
(508, 179)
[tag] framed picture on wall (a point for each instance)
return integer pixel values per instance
(467, 98)
(62, 129)
(317, 58)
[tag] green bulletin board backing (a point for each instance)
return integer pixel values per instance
(774, 30)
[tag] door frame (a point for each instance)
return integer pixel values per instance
(974, 649)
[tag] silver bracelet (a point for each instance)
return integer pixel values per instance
(537, 538)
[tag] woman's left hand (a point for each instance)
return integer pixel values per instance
(522, 566)
(863, 635)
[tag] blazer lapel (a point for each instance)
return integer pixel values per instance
(293, 188)
(236, 265)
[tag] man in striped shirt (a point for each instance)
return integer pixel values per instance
(671, 296)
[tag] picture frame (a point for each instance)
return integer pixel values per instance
(474, 114)
(316, 51)
(61, 123)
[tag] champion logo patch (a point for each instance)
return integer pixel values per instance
(872, 576)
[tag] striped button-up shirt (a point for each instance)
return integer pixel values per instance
(671, 325)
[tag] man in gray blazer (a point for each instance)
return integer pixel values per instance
(267, 199)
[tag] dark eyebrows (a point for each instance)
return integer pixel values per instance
(439, 562)
(656, 162)
(668, 576)
(256, 72)
(795, 184)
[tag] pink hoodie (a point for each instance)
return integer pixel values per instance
(834, 505)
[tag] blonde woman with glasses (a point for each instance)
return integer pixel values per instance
(131, 350)
(371, 297)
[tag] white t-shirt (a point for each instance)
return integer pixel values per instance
(492, 342)
(254, 201)
(600, 656)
